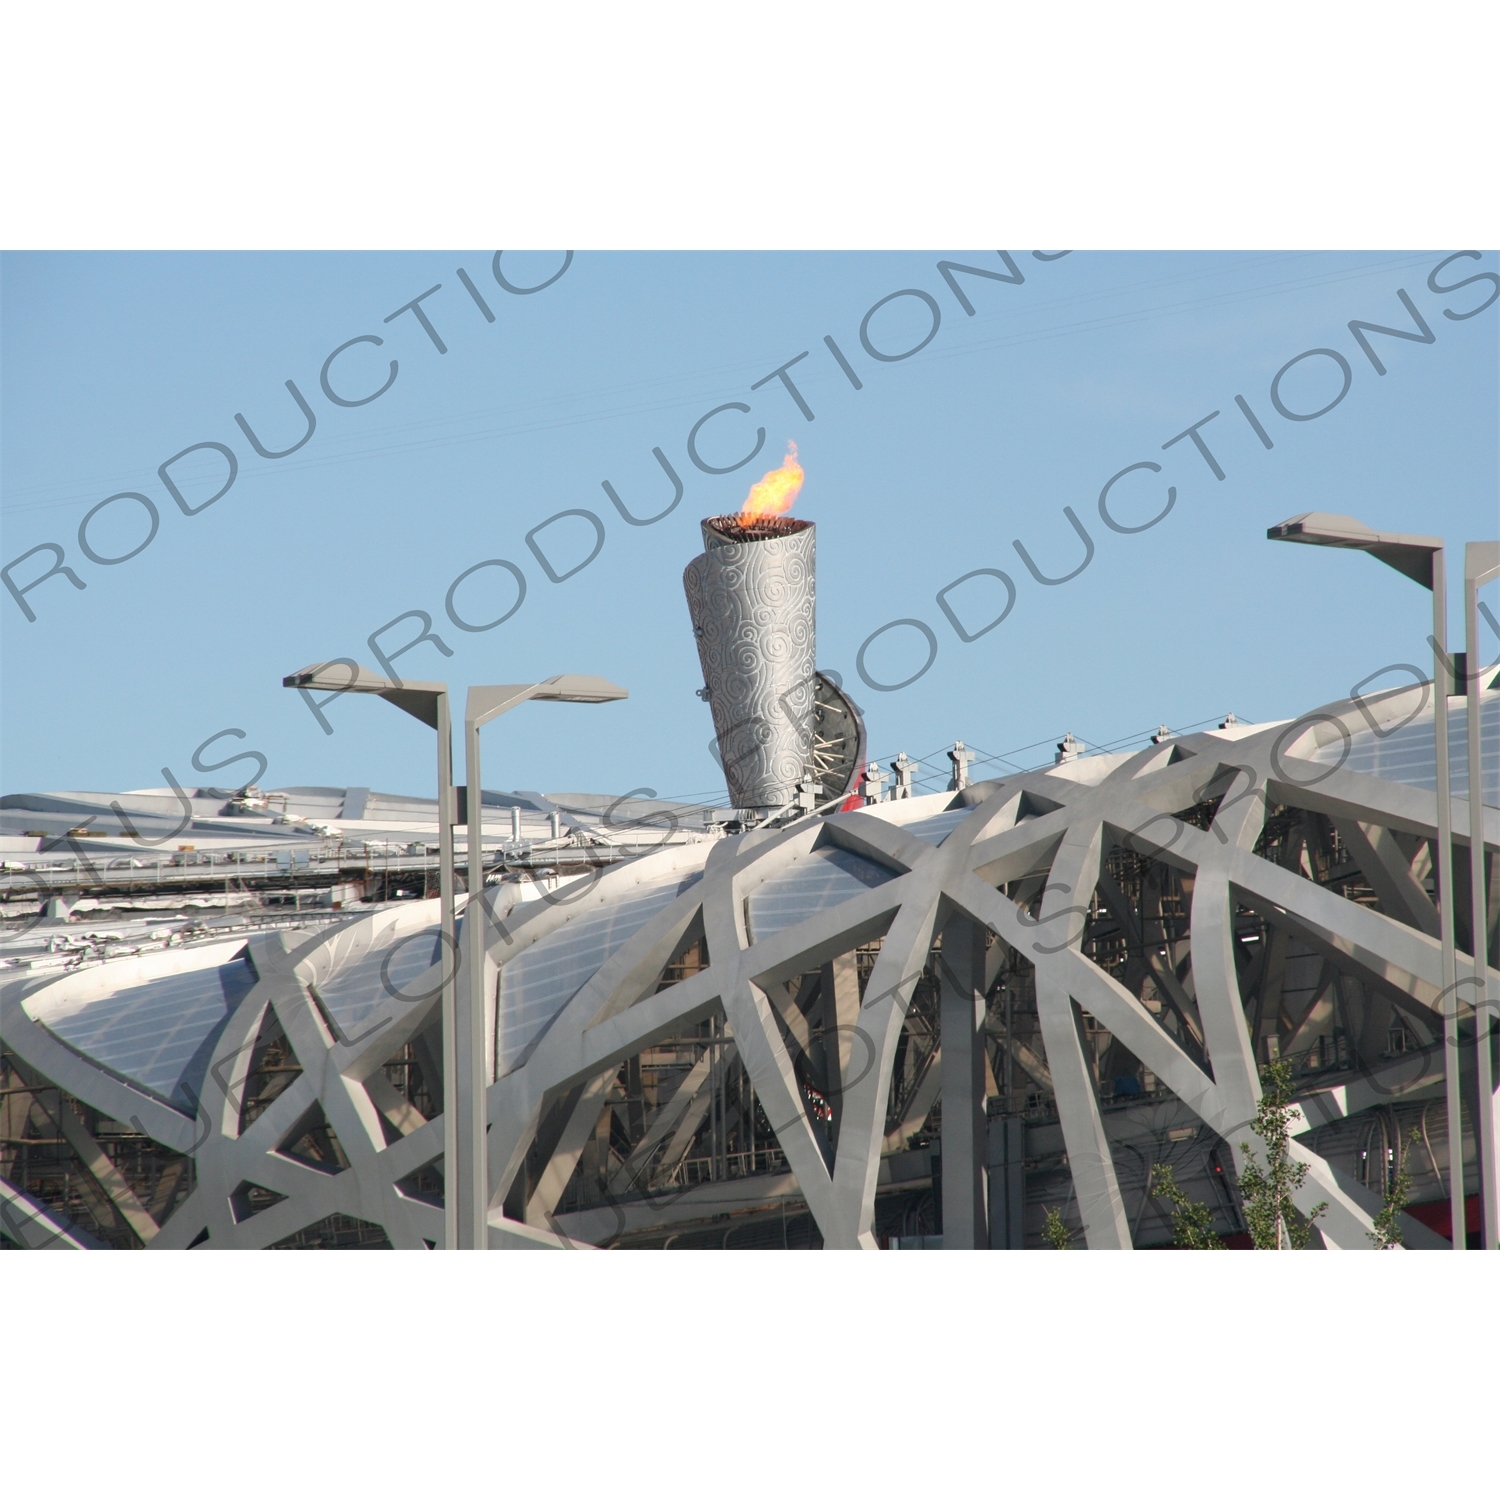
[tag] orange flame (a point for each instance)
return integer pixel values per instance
(776, 490)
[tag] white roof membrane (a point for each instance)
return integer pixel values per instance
(361, 984)
(814, 882)
(1408, 755)
(158, 1034)
(538, 982)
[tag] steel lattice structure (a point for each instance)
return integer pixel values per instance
(796, 995)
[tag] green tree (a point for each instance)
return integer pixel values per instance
(1191, 1222)
(1055, 1232)
(1387, 1234)
(1267, 1184)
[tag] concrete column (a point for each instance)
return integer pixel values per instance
(840, 1018)
(965, 1146)
(1007, 1156)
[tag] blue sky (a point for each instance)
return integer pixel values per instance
(112, 363)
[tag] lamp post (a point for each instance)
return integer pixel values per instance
(466, 1189)
(1481, 565)
(1419, 558)
(427, 701)
(468, 1184)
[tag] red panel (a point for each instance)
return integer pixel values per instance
(1437, 1217)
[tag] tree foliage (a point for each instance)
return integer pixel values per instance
(1055, 1232)
(1269, 1176)
(1192, 1223)
(1387, 1233)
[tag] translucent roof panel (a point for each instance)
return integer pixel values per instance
(818, 880)
(159, 1034)
(935, 829)
(1407, 755)
(360, 985)
(537, 983)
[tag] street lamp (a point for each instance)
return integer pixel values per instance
(1419, 558)
(468, 1180)
(427, 701)
(1481, 565)
(466, 1187)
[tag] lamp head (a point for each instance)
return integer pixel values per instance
(339, 676)
(344, 675)
(1481, 563)
(574, 688)
(1411, 556)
